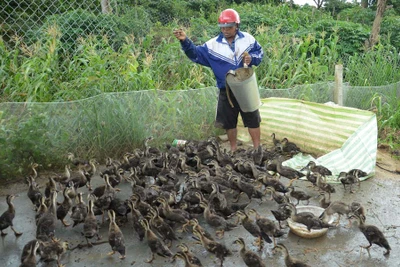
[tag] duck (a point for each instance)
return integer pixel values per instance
(219, 249)
(348, 179)
(336, 207)
(50, 187)
(90, 226)
(190, 258)
(281, 214)
(286, 171)
(115, 236)
(325, 187)
(299, 195)
(273, 182)
(175, 215)
(307, 218)
(246, 188)
(79, 210)
(357, 172)
(215, 220)
(373, 235)
(267, 226)
(324, 171)
(6, 219)
(289, 261)
(142, 206)
(136, 218)
(278, 198)
(33, 193)
(157, 246)
(103, 202)
(250, 258)
(252, 227)
(289, 147)
(277, 143)
(46, 225)
(41, 210)
(358, 209)
(185, 258)
(28, 258)
(76, 161)
(323, 202)
(196, 226)
(63, 209)
(52, 249)
(163, 228)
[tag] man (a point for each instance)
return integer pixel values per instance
(230, 50)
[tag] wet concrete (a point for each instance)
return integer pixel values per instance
(380, 196)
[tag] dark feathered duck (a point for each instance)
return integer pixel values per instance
(28, 258)
(136, 218)
(185, 258)
(33, 193)
(52, 249)
(6, 219)
(373, 235)
(79, 210)
(115, 236)
(281, 214)
(324, 171)
(289, 261)
(250, 258)
(46, 225)
(299, 195)
(90, 226)
(64, 208)
(156, 245)
(189, 256)
(267, 226)
(348, 179)
(308, 219)
(220, 250)
(215, 220)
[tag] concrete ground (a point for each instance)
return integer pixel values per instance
(380, 196)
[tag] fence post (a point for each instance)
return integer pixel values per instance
(338, 90)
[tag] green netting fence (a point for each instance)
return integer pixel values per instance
(114, 123)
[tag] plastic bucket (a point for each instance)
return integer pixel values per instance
(243, 84)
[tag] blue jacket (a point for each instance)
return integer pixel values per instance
(217, 54)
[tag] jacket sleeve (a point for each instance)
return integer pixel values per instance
(256, 53)
(197, 54)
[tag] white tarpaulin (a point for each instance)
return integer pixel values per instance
(336, 137)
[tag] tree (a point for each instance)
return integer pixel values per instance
(376, 26)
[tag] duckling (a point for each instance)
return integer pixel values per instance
(64, 208)
(196, 226)
(76, 161)
(175, 215)
(279, 198)
(115, 237)
(289, 147)
(51, 186)
(246, 188)
(103, 202)
(287, 171)
(90, 226)
(289, 261)
(6, 219)
(142, 206)
(190, 258)
(358, 210)
(79, 210)
(217, 199)
(250, 258)
(163, 228)
(252, 227)
(323, 186)
(215, 220)
(348, 179)
(373, 235)
(357, 172)
(275, 183)
(281, 214)
(299, 195)
(136, 218)
(41, 210)
(324, 171)
(33, 192)
(220, 250)
(336, 207)
(46, 225)
(28, 258)
(307, 218)
(323, 202)
(267, 226)
(275, 141)
(53, 249)
(156, 245)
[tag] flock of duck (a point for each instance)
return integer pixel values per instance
(172, 189)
